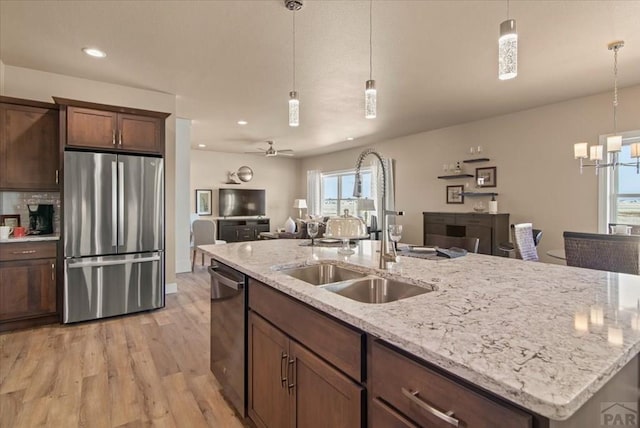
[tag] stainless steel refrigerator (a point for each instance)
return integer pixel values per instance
(113, 234)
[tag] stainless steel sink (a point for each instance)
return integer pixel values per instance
(376, 290)
(323, 274)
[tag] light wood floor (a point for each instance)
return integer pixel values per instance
(150, 369)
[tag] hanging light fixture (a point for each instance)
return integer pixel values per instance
(614, 142)
(508, 49)
(294, 102)
(370, 95)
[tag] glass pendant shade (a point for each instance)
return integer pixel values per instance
(580, 150)
(294, 109)
(635, 150)
(370, 100)
(614, 143)
(508, 50)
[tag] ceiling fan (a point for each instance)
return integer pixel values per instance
(271, 152)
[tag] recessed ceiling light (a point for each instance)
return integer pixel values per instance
(96, 53)
(202, 145)
(349, 138)
(242, 122)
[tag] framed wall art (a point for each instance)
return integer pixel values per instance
(203, 201)
(487, 177)
(454, 194)
(12, 220)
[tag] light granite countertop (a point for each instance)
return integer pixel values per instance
(31, 238)
(543, 336)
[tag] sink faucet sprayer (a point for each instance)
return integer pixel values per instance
(387, 252)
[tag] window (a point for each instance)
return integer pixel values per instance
(619, 188)
(624, 191)
(337, 191)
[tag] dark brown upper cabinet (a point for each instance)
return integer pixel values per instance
(112, 128)
(29, 145)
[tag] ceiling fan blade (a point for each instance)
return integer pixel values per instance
(285, 151)
(285, 154)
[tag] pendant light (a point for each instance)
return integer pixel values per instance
(294, 102)
(370, 95)
(595, 153)
(508, 49)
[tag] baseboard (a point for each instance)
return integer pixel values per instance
(183, 266)
(171, 288)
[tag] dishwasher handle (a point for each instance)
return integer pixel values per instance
(228, 282)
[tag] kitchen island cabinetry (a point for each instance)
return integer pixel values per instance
(290, 385)
(419, 394)
(27, 284)
(29, 147)
(112, 128)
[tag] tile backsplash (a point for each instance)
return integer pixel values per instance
(16, 203)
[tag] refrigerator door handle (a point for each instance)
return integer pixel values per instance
(114, 205)
(73, 265)
(121, 203)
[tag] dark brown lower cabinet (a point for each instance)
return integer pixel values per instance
(27, 284)
(290, 386)
(405, 394)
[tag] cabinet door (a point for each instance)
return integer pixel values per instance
(139, 133)
(28, 147)
(324, 397)
(228, 233)
(484, 234)
(91, 128)
(27, 288)
(269, 395)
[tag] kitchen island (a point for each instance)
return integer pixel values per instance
(547, 338)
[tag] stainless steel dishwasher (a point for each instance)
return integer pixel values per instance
(229, 333)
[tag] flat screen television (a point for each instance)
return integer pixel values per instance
(241, 202)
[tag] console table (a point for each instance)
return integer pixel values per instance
(237, 230)
(490, 229)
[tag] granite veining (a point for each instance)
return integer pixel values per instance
(31, 238)
(543, 336)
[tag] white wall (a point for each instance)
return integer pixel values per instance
(279, 176)
(183, 168)
(1, 78)
(537, 178)
(41, 86)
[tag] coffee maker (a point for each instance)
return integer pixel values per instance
(40, 219)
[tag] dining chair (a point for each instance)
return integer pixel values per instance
(203, 232)
(525, 245)
(466, 242)
(536, 236)
(613, 253)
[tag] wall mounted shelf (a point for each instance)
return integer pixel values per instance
(476, 160)
(472, 194)
(449, 177)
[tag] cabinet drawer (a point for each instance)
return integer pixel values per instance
(440, 218)
(27, 250)
(383, 416)
(338, 344)
(413, 389)
(474, 219)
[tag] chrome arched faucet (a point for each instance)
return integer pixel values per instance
(387, 252)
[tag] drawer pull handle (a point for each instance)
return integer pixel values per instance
(283, 376)
(447, 417)
(25, 252)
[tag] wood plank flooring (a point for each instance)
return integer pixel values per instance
(149, 369)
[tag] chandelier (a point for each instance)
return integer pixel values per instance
(614, 142)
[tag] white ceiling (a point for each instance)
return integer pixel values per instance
(435, 62)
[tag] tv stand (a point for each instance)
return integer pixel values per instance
(238, 230)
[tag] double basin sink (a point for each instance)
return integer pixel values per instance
(355, 285)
